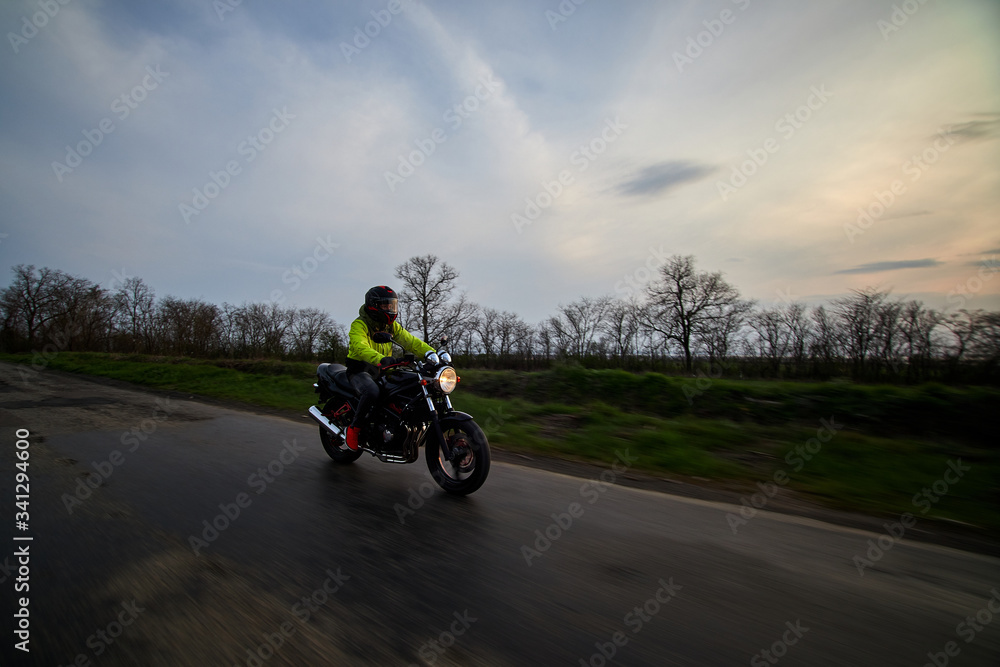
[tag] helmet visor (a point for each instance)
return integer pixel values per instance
(387, 306)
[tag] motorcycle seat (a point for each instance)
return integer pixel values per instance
(335, 375)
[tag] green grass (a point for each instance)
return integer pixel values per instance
(268, 384)
(924, 410)
(894, 442)
(852, 471)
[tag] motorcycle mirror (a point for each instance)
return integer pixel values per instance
(381, 337)
(444, 340)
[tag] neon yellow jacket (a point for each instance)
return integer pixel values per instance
(363, 353)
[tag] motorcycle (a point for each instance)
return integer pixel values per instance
(413, 410)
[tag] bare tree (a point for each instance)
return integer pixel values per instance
(887, 321)
(464, 332)
(579, 324)
(261, 329)
(511, 331)
(308, 326)
(826, 342)
(333, 343)
(685, 303)
(621, 328)
(273, 324)
(857, 319)
(187, 327)
(230, 330)
(719, 336)
(487, 331)
(87, 316)
(545, 342)
(452, 320)
(524, 341)
(773, 339)
(987, 342)
(35, 298)
(798, 324)
(427, 288)
(975, 335)
(135, 305)
(916, 330)
(780, 333)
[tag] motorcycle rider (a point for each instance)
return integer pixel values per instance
(366, 359)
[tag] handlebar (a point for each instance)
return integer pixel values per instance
(408, 358)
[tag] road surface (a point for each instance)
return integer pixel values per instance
(224, 537)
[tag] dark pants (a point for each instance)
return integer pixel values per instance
(368, 394)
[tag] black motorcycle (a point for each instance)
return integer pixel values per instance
(413, 410)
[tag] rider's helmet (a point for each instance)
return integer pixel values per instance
(381, 305)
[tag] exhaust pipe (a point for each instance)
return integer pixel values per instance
(315, 413)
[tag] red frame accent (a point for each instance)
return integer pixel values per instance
(346, 407)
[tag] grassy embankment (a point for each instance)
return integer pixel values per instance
(894, 441)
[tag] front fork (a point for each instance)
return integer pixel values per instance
(436, 424)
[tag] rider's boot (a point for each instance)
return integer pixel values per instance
(353, 437)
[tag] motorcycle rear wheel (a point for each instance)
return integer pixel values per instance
(467, 472)
(337, 448)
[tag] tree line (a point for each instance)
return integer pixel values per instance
(46, 310)
(685, 320)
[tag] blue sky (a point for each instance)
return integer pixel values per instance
(585, 146)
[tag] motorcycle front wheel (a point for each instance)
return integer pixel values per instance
(337, 448)
(468, 469)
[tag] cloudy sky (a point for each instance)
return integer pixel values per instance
(243, 151)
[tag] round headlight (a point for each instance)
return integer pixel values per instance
(446, 379)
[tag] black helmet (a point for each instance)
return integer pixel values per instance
(381, 305)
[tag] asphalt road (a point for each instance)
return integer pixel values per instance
(322, 565)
